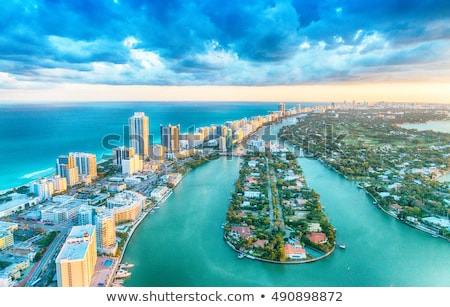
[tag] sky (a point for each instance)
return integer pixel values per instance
(255, 50)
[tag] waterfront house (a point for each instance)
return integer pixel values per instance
(241, 231)
(314, 227)
(260, 243)
(294, 252)
(317, 237)
(396, 208)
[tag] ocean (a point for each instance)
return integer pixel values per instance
(32, 136)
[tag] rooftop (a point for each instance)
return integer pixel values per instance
(77, 243)
(5, 226)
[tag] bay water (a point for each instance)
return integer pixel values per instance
(182, 243)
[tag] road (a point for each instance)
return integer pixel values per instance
(49, 255)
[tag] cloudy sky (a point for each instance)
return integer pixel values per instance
(297, 50)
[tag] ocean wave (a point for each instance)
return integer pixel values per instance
(33, 174)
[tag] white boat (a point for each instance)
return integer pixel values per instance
(241, 255)
(342, 246)
(126, 265)
(121, 273)
(223, 226)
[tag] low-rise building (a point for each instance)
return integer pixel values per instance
(317, 237)
(160, 193)
(19, 202)
(294, 252)
(6, 239)
(57, 213)
(126, 206)
(252, 194)
(6, 226)
(5, 280)
(241, 231)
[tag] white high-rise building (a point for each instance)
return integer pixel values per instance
(59, 183)
(42, 188)
(86, 163)
(85, 215)
(139, 133)
(75, 263)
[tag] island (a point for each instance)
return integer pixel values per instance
(273, 215)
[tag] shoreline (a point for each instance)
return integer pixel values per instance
(325, 255)
(375, 202)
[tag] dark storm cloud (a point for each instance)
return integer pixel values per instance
(217, 42)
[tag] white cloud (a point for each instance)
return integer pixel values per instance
(148, 59)
(130, 42)
(305, 45)
(358, 34)
(216, 57)
(338, 39)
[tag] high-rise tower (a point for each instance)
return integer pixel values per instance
(76, 261)
(65, 167)
(139, 133)
(170, 138)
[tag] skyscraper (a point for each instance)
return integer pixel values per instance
(282, 108)
(65, 167)
(76, 261)
(86, 163)
(170, 138)
(139, 133)
(121, 153)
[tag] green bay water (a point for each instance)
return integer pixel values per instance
(182, 243)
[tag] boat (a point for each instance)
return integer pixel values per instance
(435, 236)
(342, 245)
(223, 226)
(241, 255)
(121, 273)
(126, 265)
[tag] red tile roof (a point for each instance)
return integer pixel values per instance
(317, 237)
(289, 250)
(243, 231)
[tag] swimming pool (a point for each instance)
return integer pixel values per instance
(108, 263)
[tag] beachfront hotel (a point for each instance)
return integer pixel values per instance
(86, 163)
(76, 261)
(106, 231)
(44, 188)
(126, 206)
(65, 167)
(139, 133)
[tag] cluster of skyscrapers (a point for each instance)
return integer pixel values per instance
(70, 170)
(173, 142)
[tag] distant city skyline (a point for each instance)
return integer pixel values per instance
(291, 51)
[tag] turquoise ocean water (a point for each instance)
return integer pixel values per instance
(32, 136)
